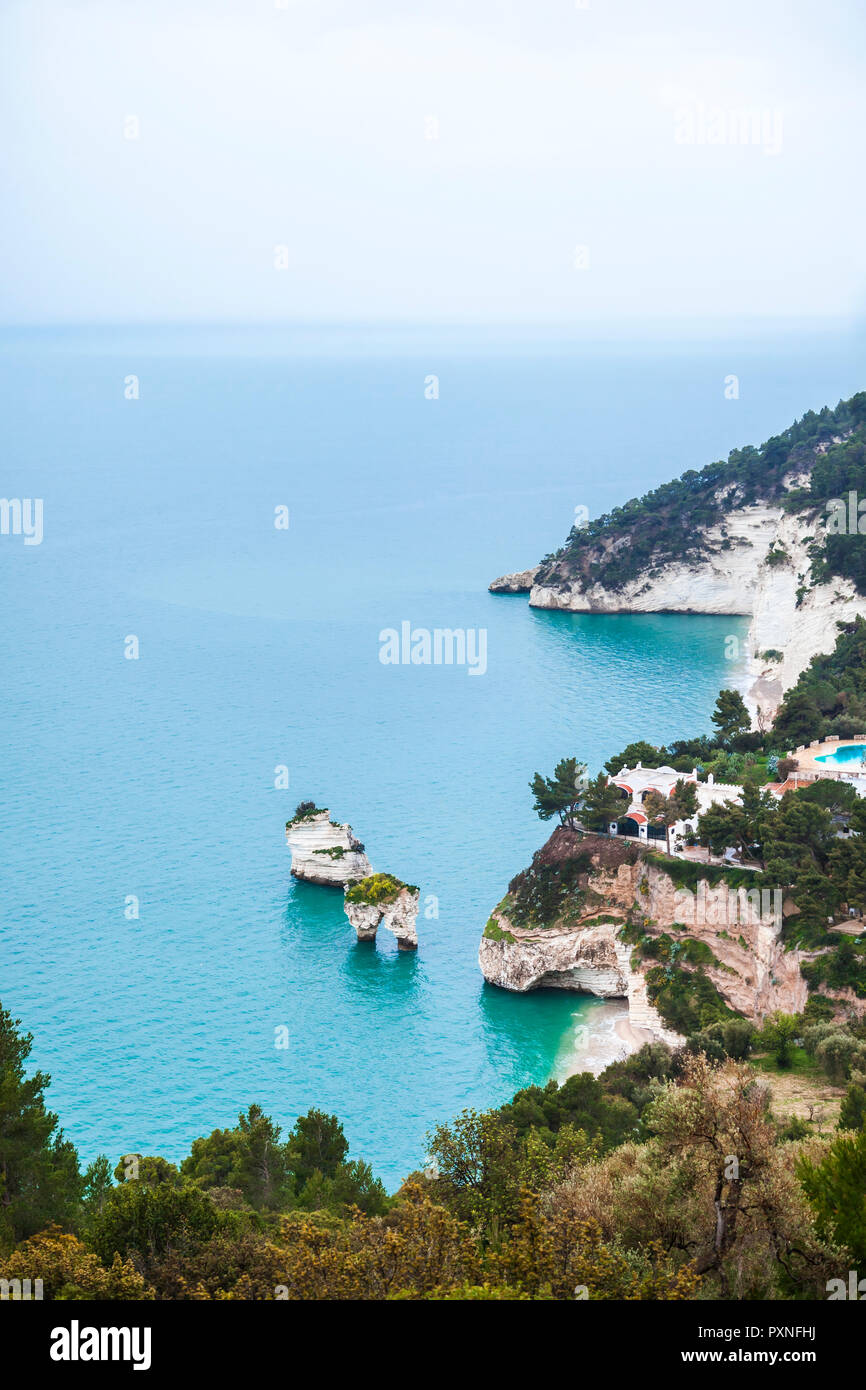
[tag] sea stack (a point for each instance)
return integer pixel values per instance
(323, 851)
(381, 900)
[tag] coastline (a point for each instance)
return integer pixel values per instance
(601, 1034)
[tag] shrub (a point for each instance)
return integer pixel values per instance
(852, 1114)
(837, 1052)
(687, 1000)
(69, 1270)
(376, 888)
(305, 810)
(544, 892)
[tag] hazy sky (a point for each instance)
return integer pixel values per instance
(438, 161)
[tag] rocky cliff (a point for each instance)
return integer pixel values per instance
(573, 919)
(763, 575)
(738, 538)
(520, 583)
(325, 852)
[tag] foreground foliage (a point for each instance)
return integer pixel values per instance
(666, 1178)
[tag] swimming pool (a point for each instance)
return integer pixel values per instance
(849, 756)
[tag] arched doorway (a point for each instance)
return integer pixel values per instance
(628, 826)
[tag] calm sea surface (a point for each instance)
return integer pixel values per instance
(154, 778)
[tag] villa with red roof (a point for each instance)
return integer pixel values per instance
(638, 781)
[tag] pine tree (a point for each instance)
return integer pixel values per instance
(730, 715)
(562, 794)
(602, 804)
(39, 1176)
(836, 1189)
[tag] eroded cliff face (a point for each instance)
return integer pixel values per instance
(583, 949)
(793, 617)
(755, 974)
(724, 582)
(581, 958)
(788, 614)
(325, 853)
(397, 916)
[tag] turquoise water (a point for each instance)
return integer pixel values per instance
(155, 777)
(844, 757)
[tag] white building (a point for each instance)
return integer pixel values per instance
(638, 781)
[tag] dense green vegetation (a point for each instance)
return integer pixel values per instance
(376, 888)
(668, 949)
(637, 539)
(608, 1188)
(548, 891)
(686, 999)
(494, 932)
(843, 967)
(39, 1178)
(830, 696)
(561, 794)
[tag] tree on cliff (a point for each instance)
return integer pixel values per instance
(603, 803)
(39, 1177)
(632, 754)
(562, 794)
(730, 716)
(745, 824)
(847, 860)
(685, 794)
(797, 840)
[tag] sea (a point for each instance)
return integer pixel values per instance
(231, 518)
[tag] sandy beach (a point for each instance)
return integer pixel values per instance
(602, 1034)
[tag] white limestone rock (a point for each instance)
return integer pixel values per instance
(550, 958)
(365, 918)
(787, 612)
(724, 583)
(519, 583)
(323, 852)
(589, 960)
(799, 630)
(397, 913)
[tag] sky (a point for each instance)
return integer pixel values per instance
(460, 161)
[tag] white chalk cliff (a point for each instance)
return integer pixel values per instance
(798, 625)
(788, 613)
(323, 852)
